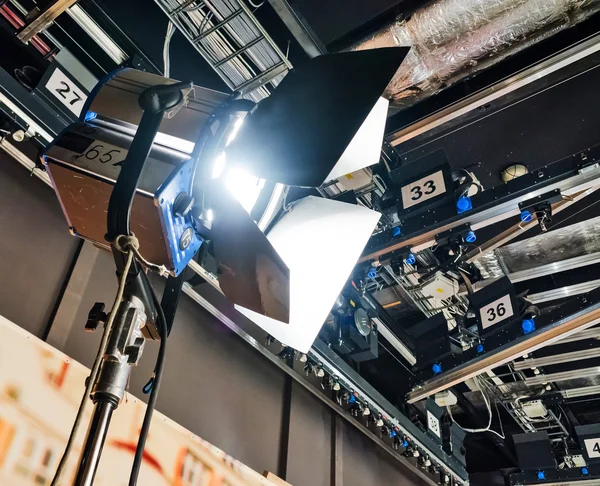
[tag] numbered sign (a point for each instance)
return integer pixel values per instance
(433, 424)
(66, 91)
(496, 311)
(423, 189)
(495, 305)
(592, 447)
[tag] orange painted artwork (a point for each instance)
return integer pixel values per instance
(40, 391)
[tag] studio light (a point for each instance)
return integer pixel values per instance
(315, 231)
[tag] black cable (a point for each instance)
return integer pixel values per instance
(160, 362)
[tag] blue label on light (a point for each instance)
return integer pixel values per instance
(480, 348)
(396, 231)
(410, 259)
(541, 475)
(437, 368)
(584, 471)
(90, 115)
(372, 273)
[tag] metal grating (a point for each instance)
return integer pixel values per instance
(229, 37)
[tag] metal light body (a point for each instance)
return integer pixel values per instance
(85, 161)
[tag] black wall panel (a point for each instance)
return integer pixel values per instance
(36, 249)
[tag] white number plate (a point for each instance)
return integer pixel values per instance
(495, 312)
(65, 90)
(593, 447)
(433, 424)
(424, 189)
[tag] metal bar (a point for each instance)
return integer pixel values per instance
(300, 29)
(556, 359)
(182, 7)
(45, 18)
(216, 27)
(238, 52)
(564, 326)
(265, 34)
(492, 213)
(563, 376)
(25, 161)
(563, 292)
(556, 267)
(485, 96)
(511, 233)
(262, 79)
(398, 345)
(583, 391)
(97, 34)
(580, 336)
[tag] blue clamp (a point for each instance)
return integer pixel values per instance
(352, 399)
(372, 273)
(436, 368)
(480, 348)
(397, 231)
(90, 115)
(528, 325)
(584, 471)
(463, 204)
(526, 216)
(541, 475)
(393, 433)
(470, 237)
(411, 259)
(405, 444)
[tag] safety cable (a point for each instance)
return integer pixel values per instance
(489, 408)
(159, 368)
(94, 372)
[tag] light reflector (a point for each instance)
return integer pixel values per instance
(320, 241)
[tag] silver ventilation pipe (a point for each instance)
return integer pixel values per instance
(453, 39)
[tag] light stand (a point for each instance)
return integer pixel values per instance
(136, 309)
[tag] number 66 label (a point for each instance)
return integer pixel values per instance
(495, 312)
(425, 188)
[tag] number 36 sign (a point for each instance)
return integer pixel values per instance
(494, 304)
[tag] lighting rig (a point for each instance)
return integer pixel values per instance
(156, 169)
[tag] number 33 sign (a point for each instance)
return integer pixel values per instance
(423, 189)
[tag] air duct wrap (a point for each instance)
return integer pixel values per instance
(453, 39)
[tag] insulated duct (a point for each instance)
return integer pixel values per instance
(453, 39)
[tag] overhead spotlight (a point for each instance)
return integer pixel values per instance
(366, 411)
(336, 386)
(379, 422)
(303, 358)
(513, 171)
(320, 372)
(416, 453)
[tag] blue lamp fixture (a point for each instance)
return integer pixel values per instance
(528, 325)
(463, 204)
(526, 216)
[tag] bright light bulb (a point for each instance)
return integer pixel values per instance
(235, 130)
(209, 215)
(219, 165)
(243, 186)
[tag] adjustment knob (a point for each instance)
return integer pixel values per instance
(95, 317)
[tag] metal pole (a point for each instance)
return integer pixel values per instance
(124, 349)
(90, 456)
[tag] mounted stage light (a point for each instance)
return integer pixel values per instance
(316, 231)
(324, 120)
